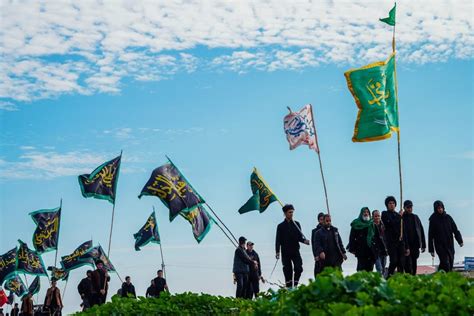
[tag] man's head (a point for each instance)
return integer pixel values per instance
(327, 220)
(376, 216)
(250, 245)
(16, 305)
(408, 206)
(242, 241)
(160, 273)
(288, 210)
(321, 218)
(99, 264)
(365, 212)
(89, 273)
(438, 207)
(390, 203)
(127, 279)
(53, 282)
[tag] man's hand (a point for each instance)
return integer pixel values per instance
(102, 292)
(316, 259)
(407, 252)
(423, 250)
(277, 255)
(344, 256)
(322, 256)
(432, 254)
(306, 242)
(460, 245)
(262, 279)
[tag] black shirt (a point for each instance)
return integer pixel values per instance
(288, 237)
(159, 285)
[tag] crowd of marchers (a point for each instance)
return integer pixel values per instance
(374, 236)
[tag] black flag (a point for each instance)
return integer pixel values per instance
(7, 264)
(102, 182)
(29, 261)
(46, 235)
(96, 253)
(148, 233)
(34, 286)
(167, 183)
(16, 285)
(72, 261)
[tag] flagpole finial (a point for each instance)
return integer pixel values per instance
(289, 109)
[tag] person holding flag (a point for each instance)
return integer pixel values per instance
(288, 237)
(100, 283)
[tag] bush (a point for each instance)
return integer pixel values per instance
(362, 293)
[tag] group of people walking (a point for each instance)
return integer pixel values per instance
(374, 236)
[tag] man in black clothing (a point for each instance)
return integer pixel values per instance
(328, 245)
(151, 291)
(440, 235)
(160, 283)
(394, 236)
(317, 265)
(415, 236)
(100, 284)
(255, 273)
(15, 310)
(128, 289)
(288, 237)
(241, 268)
(85, 289)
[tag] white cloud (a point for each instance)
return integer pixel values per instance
(51, 48)
(7, 106)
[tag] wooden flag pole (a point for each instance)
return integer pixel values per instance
(113, 213)
(320, 163)
(161, 251)
(59, 226)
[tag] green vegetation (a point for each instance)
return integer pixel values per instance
(362, 293)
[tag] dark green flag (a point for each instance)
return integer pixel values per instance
(58, 273)
(169, 184)
(390, 20)
(15, 285)
(7, 264)
(46, 235)
(29, 261)
(148, 233)
(73, 261)
(102, 182)
(374, 90)
(34, 286)
(200, 222)
(262, 194)
(95, 254)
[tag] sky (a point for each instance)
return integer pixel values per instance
(207, 83)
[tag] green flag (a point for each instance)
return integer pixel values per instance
(390, 20)
(374, 90)
(262, 194)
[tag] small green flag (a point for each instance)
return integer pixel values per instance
(262, 194)
(390, 20)
(374, 90)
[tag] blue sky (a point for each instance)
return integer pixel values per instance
(78, 85)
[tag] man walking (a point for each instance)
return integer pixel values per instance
(160, 283)
(329, 249)
(394, 236)
(361, 240)
(100, 283)
(128, 289)
(415, 236)
(255, 273)
(317, 265)
(241, 268)
(440, 237)
(288, 237)
(85, 289)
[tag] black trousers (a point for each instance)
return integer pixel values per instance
(411, 264)
(98, 298)
(242, 284)
(253, 287)
(365, 263)
(446, 260)
(292, 262)
(317, 268)
(396, 253)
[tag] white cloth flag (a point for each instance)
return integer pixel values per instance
(299, 128)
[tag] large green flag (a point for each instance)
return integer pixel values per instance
(390, 20)
(262, 194)
(374, 90)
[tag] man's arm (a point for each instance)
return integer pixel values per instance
(457, 233)
(431, 239)
(278, 241)
(423, 240)
(313, 242)
(244, 256)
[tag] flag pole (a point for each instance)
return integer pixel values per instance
(59, 226)
(113, 213)
(161, 251)
(320, 162)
